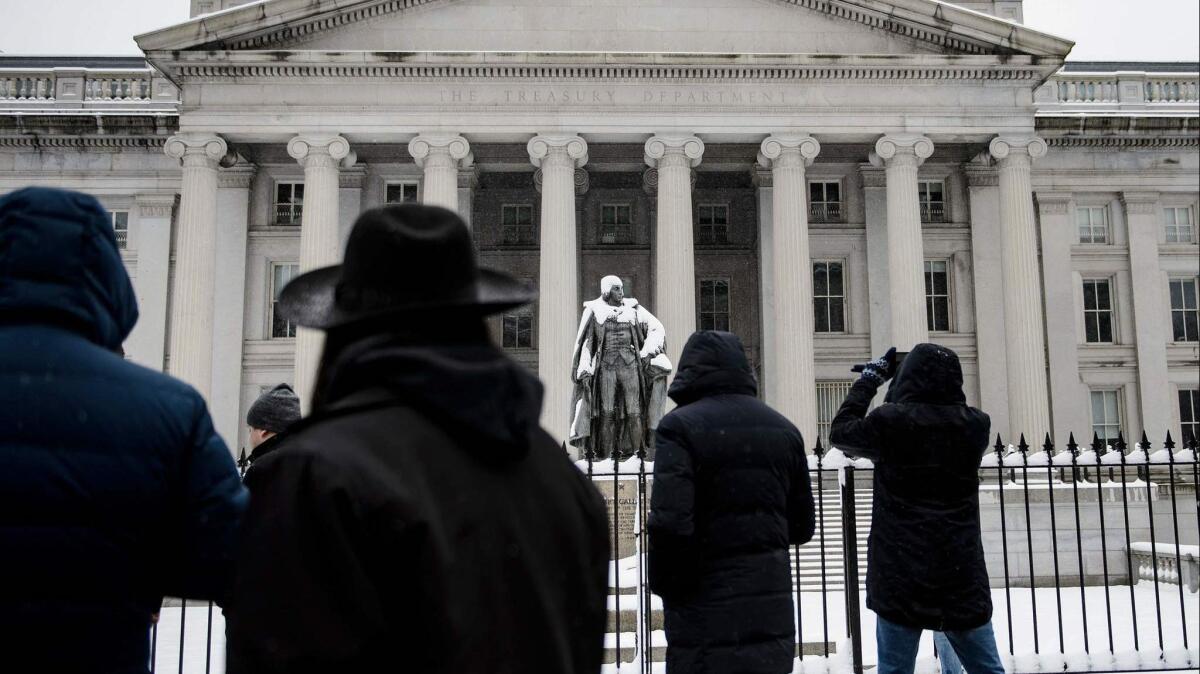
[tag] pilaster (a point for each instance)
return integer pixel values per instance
(1068, 396)
(233, 224)
(1151, 318)
(148, 342)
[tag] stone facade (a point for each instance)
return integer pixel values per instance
(713, 157)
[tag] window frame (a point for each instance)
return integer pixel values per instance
(1168, 227)
(616, 234)
(929, 295)
(827, 215)
(1184, 310)
(925, 202)
(532, 240)
(1118, 398)
(845, 322)
(121, 234)
(273, 299)
(1097, 311)
(1194, 421)
(712, 240)
(295, 209)
(414, 183)
(1107, 225)
(519, 315)
(728, 303)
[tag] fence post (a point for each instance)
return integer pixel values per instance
(850, 567)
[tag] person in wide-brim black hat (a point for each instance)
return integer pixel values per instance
(421, 480)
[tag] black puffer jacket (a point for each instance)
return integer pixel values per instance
(925, 558)
(730, 493)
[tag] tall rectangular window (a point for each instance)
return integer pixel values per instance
(1093, 224)
(1097, 311)
(518, 330)
(1180, 227)
(289, 203)
(1106, 415)
(516, 225)
(281, 274)
(402, 192)
(824, 201)
(829, 297)
(937, 295)
(714, 304)
(616, 224)
(932, 194)
(713, 224)
(120, 224)
(830, 396)
(1185, 317)
(1189, 414)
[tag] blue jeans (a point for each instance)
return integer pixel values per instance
(946, 655)
(897, 646)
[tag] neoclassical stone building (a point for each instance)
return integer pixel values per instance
(823, 177)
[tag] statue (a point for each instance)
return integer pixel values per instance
(620, 374)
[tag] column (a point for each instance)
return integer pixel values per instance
(439, 155)
(901, 155)
(148, 342)
(791, 277)
(233, 224)
(766, 221)
(1024, 327)
(674, 156)
(987, 272)
(1151, 319)
(875, 212)
(558, 156)
(191, 335)
(321, 157)
(1068, 396)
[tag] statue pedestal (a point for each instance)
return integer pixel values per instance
(621, 503)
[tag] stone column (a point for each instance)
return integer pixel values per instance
(673, 156)
(148, 342)
(987, 272)
(791, 276)
(1024, 324)
(321, 157)
(191, 327)
(440, 156)
(901, 155)
(233, 226)
(557, 156)
(1151, 319)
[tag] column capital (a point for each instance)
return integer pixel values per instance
(689, 148)
(155, 205)
(198, 149)
(902, 147)
(1011, 147)
(321, 150)
(581, 180)
(450, 145)
(1054, 203)
(1140, 203)
(981, 176)
(788, 148)
(872, 176)
(238, 178)
(566, 145)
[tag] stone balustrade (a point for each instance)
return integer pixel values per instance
(98, 89)
(1118, 90)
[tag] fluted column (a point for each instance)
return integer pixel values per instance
(791, 276)
(321, 157)
(191, 328)
(440, 156)
(675, 274)
(558, 156)
(901, 155)
(1024, 327)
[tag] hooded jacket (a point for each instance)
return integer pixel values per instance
(731, 492)
(420, 516)
(925, 564)
(114, 488)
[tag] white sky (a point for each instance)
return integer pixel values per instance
(1131, 30)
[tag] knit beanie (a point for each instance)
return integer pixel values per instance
(275, 410)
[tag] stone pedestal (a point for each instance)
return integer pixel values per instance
(621, 504)
(440, 156)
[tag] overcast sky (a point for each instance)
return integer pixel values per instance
(1141, 30)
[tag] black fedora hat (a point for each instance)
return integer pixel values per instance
(401, 259)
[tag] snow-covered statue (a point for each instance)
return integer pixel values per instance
(620, 375)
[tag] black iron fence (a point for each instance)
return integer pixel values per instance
(1093, 553)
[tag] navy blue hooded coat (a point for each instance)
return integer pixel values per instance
(114, 488)
(731, 492)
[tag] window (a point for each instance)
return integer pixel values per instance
(1179, 224)
(830, 396)
(616, 224)
(829, 297)
(1097, 311)
(1093, 224)
(1106, 415)
(1189, 415)
(937, 295)
(120, 224)
(289, 203)
(280, 275)
(1185, 318)
(714, 224)
(516, 225)
(933, 200)
(518, 330)
(400, 192)
(824, 201)
(714, 304)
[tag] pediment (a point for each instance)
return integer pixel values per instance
(815, 27)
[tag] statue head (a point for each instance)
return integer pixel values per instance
(612, 290)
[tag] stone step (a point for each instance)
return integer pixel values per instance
(658, 652)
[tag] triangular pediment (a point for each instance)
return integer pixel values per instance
(820, 27)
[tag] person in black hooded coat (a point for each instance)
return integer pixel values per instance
(419, 520)
(731, 492)
(925, 564)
